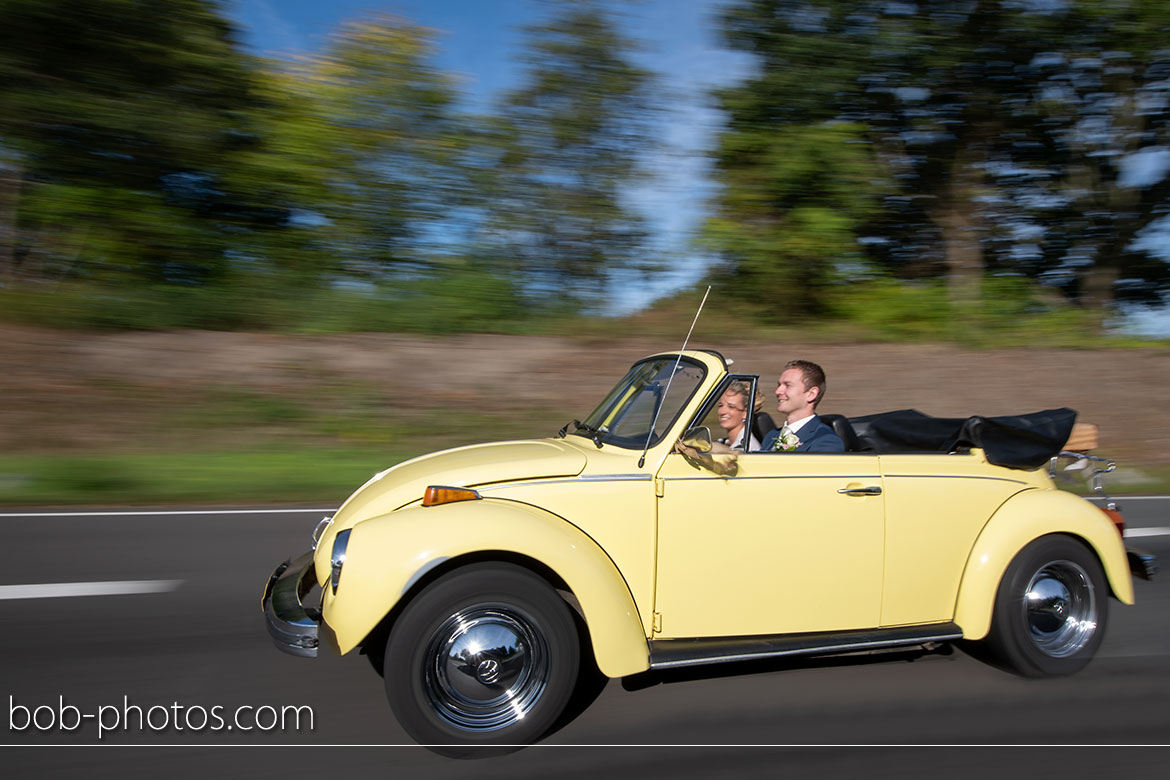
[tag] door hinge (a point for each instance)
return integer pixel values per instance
(657, 626)
(659, 487)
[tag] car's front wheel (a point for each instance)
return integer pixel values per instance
(1050, 609)
(487, 655)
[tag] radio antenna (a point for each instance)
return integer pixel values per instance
(669, 379)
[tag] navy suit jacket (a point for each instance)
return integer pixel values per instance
(814, 436)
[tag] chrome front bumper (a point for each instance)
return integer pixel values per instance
(295, 629)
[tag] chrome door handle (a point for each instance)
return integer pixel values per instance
(863, 491)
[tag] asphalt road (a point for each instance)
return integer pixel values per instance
(178, 629)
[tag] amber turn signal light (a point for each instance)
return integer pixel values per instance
(1117, 519)
(437, 494)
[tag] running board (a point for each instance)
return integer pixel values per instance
(669, 653)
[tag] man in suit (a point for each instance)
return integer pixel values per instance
(800, 388)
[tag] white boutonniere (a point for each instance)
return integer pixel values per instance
(785, 442)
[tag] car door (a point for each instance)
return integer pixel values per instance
(791, 543)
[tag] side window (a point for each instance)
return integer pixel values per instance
(728, 413)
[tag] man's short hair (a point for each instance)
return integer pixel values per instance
(814, 376)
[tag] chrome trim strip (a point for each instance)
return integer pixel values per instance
(675, 653)
(788, 476)
(649, 477)
(489, 488)
(572, 481)
(320, 529)
(955, 476)
(615, 477)
(856, 477)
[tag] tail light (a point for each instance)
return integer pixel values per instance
(1118, 520)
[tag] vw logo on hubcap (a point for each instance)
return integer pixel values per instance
(488, 671)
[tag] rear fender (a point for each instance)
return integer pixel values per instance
(388, 554)
(1022, 518)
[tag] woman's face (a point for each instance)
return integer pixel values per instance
(731, 412)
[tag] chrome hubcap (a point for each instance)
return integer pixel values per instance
(1061, 608)
(487, 667)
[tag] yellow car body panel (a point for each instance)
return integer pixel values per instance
(387, 554)
(469, 466)
(1025, 517)
(616, 514)
(936, 507)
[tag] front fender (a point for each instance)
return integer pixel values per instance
(386, 555)
(1022, 518)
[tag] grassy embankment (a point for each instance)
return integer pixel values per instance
(288, 449)
(273, 449)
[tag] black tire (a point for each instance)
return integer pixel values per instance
(1050, 609)
(448, 690)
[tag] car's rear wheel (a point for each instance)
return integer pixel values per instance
(1050, 610)
(487, 655)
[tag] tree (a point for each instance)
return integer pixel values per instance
(563, 147)
(998, 131)
(376, 119)
(790, 217)
(120, 118)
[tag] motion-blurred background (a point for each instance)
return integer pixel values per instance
(203, 204)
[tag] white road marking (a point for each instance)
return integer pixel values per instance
(59, 590)
(1129, 498)
(165, 512)
(1147, 532)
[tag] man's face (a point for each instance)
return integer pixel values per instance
(793, 398)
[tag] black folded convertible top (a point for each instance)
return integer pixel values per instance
(1022, 441)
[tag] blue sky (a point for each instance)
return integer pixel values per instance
(479, 42)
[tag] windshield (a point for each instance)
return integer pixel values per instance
(623, 418)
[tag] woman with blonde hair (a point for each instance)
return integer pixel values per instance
(732, 412)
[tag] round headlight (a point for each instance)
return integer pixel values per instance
(337, 559)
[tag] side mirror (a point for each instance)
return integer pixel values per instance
(698, 439)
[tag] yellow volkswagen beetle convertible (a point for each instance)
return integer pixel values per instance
(484, 579)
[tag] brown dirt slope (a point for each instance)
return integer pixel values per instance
(92, 392)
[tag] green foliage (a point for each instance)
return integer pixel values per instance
(285, 476)
(1009, 313)
(456, 300)
(121, 119)
(788, 222)
(896, 311)
(286, 450)
(975, 118)
(451, 301)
